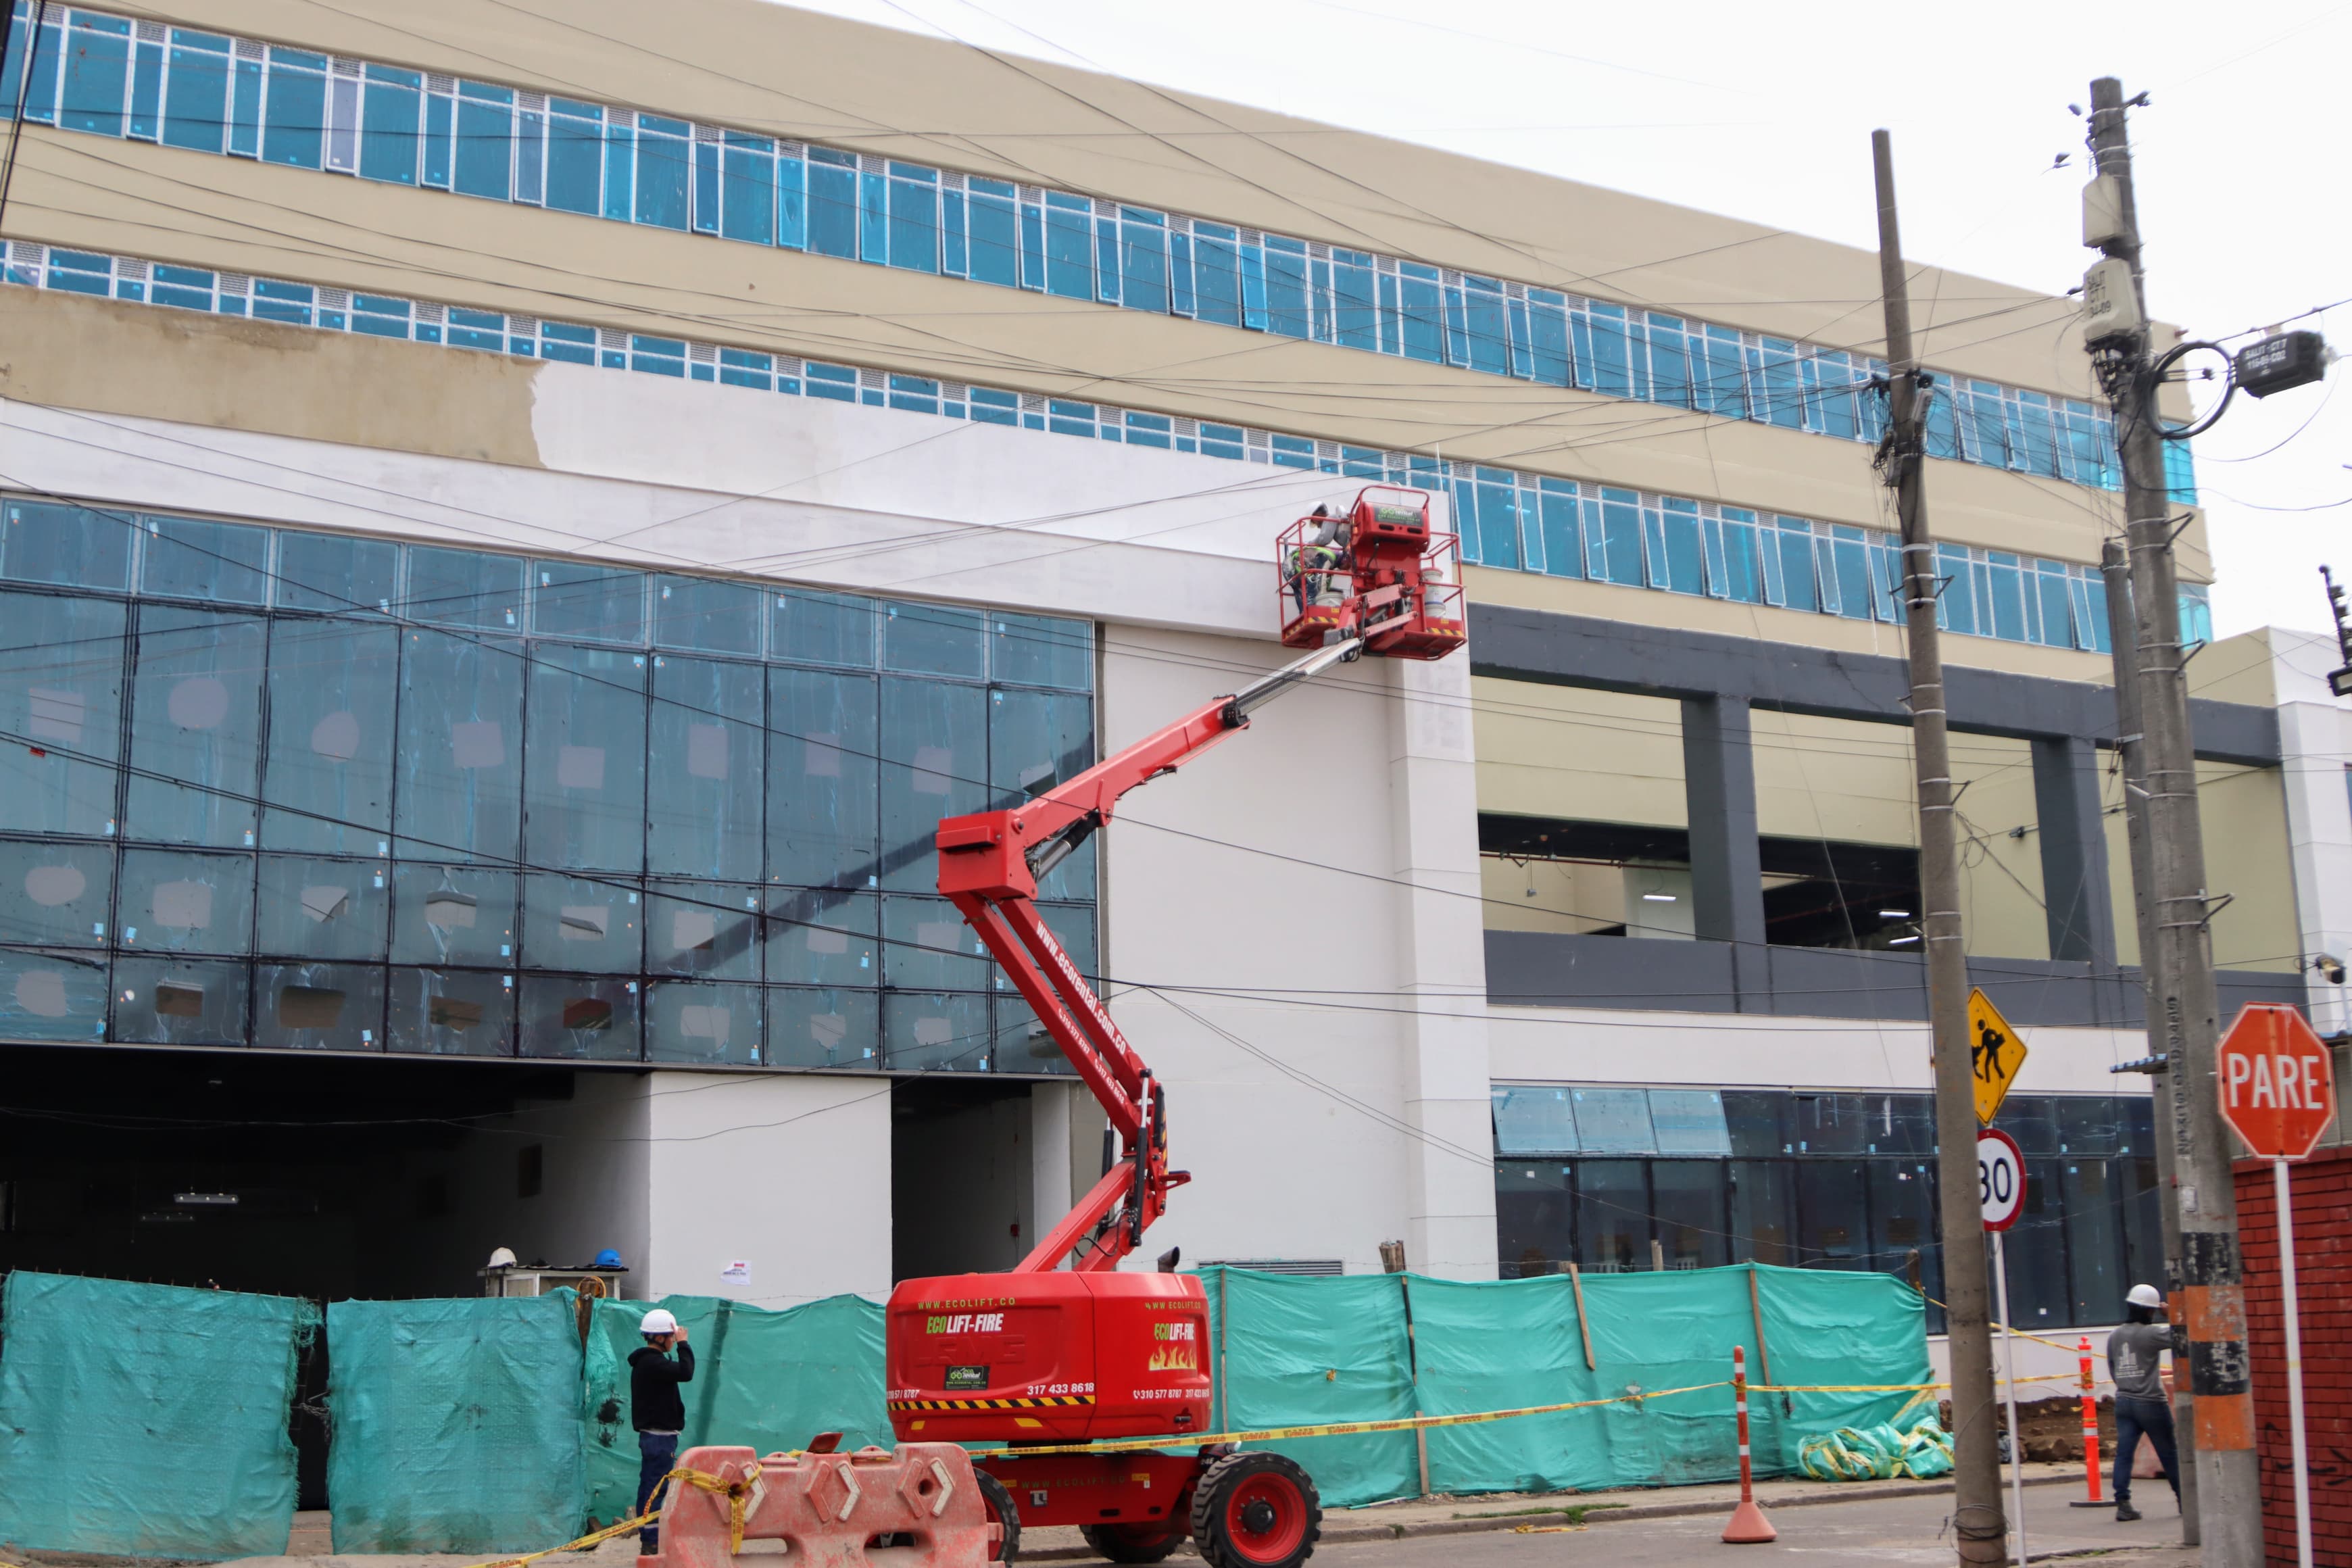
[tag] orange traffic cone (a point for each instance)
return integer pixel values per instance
(1749, 1527)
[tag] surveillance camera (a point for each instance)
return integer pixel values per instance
(2330, 967)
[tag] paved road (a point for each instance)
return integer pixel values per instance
(1887, 1531)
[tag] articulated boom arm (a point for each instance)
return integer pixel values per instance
(989, 864)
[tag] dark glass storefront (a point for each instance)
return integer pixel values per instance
(1616, 1179)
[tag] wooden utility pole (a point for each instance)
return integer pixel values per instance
(1978, 1525)
(2114, 567)
(2183, 1013)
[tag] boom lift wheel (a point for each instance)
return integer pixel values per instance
(1133, 1542)
(1256, 1510)
(1003, 1512)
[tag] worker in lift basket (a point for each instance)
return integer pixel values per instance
(1318, 577)
(656, 1410)
(2143, 1408)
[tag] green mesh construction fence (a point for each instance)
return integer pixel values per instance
(768, 1380)
(457, 1423)
(1294, 1352)
(146, 1420)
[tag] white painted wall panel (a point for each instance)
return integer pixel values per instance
(790, 1173)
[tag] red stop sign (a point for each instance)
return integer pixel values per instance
(2277, 1090)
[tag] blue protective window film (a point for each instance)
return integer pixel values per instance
(747, 205)
(294, 123)
(664, 171)
(97, 59)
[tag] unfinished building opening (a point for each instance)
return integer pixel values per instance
(1611, 879)
(961, 1156)
(324, 1177)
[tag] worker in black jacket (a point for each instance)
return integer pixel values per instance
(656, 1411)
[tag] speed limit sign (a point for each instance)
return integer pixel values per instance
(2000, 1179)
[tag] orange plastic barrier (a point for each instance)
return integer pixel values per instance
(916, 1507)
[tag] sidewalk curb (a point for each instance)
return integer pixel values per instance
(1353, 1534)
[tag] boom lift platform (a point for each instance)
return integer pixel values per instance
(1045, 1355)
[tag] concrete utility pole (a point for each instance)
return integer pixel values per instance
(2114, 565)
(1978, 1525)
(2183, 1014)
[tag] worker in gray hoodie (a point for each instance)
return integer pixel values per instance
(2143, 1408)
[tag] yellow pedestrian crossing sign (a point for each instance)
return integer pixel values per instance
(1995, 1055)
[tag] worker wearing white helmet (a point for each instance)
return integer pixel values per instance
(2143, 1408)
(1318, 576)
(657, 1410)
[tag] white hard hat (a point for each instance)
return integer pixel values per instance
(2144, 1296)
(657, 1321)
(503, 1257)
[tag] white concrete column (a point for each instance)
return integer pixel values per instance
(2314, 730)
(1441, 971)
(789, 1173)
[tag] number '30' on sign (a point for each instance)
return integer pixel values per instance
(2000, 1179)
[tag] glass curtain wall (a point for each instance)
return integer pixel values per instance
(313, 791)
(1615, 1179)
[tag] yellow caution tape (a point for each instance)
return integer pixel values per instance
(738, 1494)
(1424, 1423)
(1338, 1428)
(582, 1544)
(2075, 1350)
(1885, 1387)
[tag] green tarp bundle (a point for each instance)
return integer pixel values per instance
(1878, 1453)
(457, 1423)
(146, 1420)
(1295, 1352)
(762, 1379)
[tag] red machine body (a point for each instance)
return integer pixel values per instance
(1058, 1357)
(1384, 576)
(1045, 1354)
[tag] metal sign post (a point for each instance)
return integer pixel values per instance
(2294, 1367)
(2277, 1090)
(2000, 1193)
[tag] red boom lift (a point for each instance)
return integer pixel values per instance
(1044, 1355)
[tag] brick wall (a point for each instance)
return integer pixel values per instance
(2323, 1249)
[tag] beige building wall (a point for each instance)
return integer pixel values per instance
(2248, 856)
(1563, 751)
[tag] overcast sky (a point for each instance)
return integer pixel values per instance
(1765, 113)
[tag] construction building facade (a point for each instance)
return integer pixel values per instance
(521, 519)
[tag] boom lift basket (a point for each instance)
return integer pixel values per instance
(1383, 574)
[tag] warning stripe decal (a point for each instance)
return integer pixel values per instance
(1041, 1402)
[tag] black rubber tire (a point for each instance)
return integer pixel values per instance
(1257, 1471)
(1134, 1543)
(1002, 1510)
